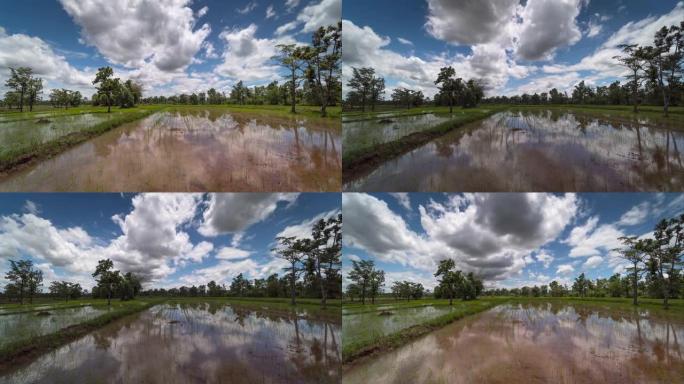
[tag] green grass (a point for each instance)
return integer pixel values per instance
(309, 111)
(623, 303)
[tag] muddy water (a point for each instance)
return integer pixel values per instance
(196, 343)
(540, 151)
(20, 326)
(207, 151)
(540, 343)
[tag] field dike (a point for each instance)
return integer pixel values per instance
(354, 352)
(23, 351)
(359, 163)
(15, 159)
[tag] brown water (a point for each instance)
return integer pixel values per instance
(196, 343)
(207, 151)
(540, 343)
(540, 151)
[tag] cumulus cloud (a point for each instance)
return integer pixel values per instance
(246, 56)
(405, 41)
(313, 16)
(231, 213)
(565, 269)
(492, 235)
(124, 35)
(249, 7)
(270, 12)
(545, 258)
(20, 50)
(232, 253)
(302, 229)
(469, 22)
(590, 239)
(403, 199)
(547, 25)
(636, 215)
(593, 262)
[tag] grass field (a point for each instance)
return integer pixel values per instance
(30, 338)
(33, 136)
(387, 324)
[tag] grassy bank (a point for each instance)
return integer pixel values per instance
(622, 303)
(360, 161)
(309, 111)
(26, 350)
(355, 349)
(16, 155)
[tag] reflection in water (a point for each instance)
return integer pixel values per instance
(369, 325)
(544, 343)
(196, 343)
(14, 327)
(539, 151)
(205, 151)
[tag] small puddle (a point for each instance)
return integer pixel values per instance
(204, 151)
(539, 151)
(538, 343)
(196, 343)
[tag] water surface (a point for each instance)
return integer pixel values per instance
(203, 151)
(196, 343)
(538, 343)
(539, 151)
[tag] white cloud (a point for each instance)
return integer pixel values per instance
(246, 57)
(636, 215)
(593, 262)
(313, 16)
(565, 269)
(31, 207)
(270, 12)
(203, 11)
(405, 41)
(547, 25)
(230, 213)
(545, 258)
(249, 7)
(593, 29)
(490, 234)
(231, 253)
(122, 31)
(291, 4)
(302, 230)
(403, 199)
(591, 239)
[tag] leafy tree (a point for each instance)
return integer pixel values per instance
(634, 59)
(449, 278)
(108, 86)
(363, 274)
(450, 85)
(665, 251)
(291, 249)
(24, 278)
(239, 285)
(376, 282)
(634, 253)
(35, 88)
(324, 58)
(11, 98)
(327, 249)
(362, 81)
(129, 286)
(20, 80)
(293, 58)
(581, 285)
(556, 289)
(107, 278)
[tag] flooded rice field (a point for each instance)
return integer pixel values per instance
(196, 343)
(384, 321)
(367, 133)
(39, 130)
(14, 327)
(539, 151)
(538, 343)
(190, 151)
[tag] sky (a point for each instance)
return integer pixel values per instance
(169, 240)
(508, 239)
(170, 46)
(515, 46)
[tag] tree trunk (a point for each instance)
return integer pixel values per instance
(635, 285)
(635, 90)
(323, 287)
(451, 105)
(21, 101)
(293, 94)
(292, 286)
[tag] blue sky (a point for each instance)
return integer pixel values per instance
(168, 239)
(516, 46)
(171, 46)
(510, 239)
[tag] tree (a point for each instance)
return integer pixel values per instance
(634, 254)
(108, 86)
(238, 93)
(239, 285)
(664, 60)
(633, 59)
(324, 57)
(450, 279)
(62, 289)
(581, 285)
(377, 90)
(450, 85)
(580, 92)
(20, 80)
(403, 96)
(556, 289)
(129, 286)
(35, 88)
(362, 82)
(11, 98)
(376, 282)
(25, 278)
(107, 278)
(293, 58)
(362, 274)
(290, 249)
(327, 249)
(666, 253)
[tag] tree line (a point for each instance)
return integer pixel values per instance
(655, 270)
(368, 90)
(368, 283)
(654, 78)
